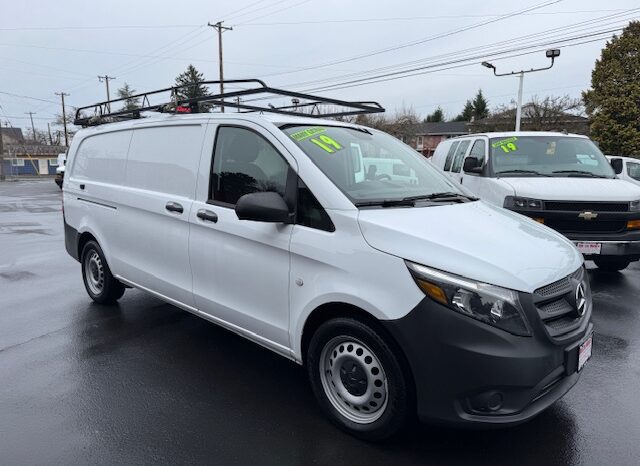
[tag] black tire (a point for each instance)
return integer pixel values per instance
(397, 406)
(97, 277)
(612, 264)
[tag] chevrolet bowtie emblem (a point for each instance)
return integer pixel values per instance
(587, 215)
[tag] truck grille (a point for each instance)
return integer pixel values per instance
(555, 305)
(586, 226)
(573, 206)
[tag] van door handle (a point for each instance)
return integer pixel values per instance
(174, 207)
(207, 215)
(82, 186)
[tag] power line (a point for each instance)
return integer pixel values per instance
(424, 40)
(27, 97)
(588, 25)
(234, 12)
(418, 18)
(274, 12)
(88, 28)
(256, 10)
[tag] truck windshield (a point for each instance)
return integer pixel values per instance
(548, 156)
(370, 166)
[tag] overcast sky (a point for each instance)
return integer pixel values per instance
(48, 47)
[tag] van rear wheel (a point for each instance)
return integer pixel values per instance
(611, 264)
(358, 379)
(100, 284)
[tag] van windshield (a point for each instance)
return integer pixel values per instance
(548, 156)
(370, 167)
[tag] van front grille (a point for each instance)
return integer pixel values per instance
(573, 206)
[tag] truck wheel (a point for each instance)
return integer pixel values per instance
(611, 264)
(358, 379)
(98, 281)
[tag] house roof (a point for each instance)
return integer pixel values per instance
(442, 128)
(13, 133)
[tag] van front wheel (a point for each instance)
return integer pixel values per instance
(358, 379)
(100, 284)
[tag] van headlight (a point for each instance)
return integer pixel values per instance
(522, 203)
(493, 305)
(634, 206)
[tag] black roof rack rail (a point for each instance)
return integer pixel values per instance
(302, 104)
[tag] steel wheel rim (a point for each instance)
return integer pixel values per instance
(359, 394)
(94, 272)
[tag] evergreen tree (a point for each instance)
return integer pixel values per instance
(613, 103)
(467, 112)
(436, 116)
(480, 106)
(126, 92)
(194, 77)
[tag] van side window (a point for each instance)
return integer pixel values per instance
(244, 162)
(457, 162)
(633, 169)
(478, 150)
(163, 159)
(309, 211)
(102, 157)
(452, 150)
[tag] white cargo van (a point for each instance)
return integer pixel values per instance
(265, 224)
(560, 180)
(627, 168)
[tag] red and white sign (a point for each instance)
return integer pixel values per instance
(584, 352)
(589, 248)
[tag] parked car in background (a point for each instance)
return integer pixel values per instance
(627, 168)
(60, 169)
(398, 291)
(560, 180)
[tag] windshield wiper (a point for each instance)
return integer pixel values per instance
(448, 195)
(386, 203)
(580, 173)
(532, 172)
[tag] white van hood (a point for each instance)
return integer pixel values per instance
(573, 189)
(474, 240)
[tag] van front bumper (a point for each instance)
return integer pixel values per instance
(471, 374)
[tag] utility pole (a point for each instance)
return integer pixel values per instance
(220, 28)
(49, 131)
(1, 155)
(33, 128)
(106, 78)
(64, 119)
(551, 53)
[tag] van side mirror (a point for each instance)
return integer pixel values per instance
(616, 164)
(472, 165)
(263, 207)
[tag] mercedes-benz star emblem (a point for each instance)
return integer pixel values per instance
(581, 300)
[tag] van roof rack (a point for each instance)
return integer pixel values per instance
(173, 100)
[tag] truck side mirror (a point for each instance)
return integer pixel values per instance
(616, 164)
(472, 165)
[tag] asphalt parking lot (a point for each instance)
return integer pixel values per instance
(146, 383)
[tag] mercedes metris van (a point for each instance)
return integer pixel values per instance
(560, 180)
(401, 294)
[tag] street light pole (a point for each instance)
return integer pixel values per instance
(519, 107)
(551, 53)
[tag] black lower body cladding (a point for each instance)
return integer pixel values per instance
(469, 373)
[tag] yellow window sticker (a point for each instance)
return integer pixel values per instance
(551, 148)
(307, 133)
(326, 143)
(507, 145)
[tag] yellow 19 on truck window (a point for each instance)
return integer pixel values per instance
(327, 143)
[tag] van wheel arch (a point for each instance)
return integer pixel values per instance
(84, 239)
(329, 311)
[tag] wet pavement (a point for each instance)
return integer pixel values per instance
(146, 383)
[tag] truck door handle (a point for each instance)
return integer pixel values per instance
(82, 186)
(174, 207)
(207, 215)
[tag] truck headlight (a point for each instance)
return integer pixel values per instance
(493, 305)
(522, 203)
